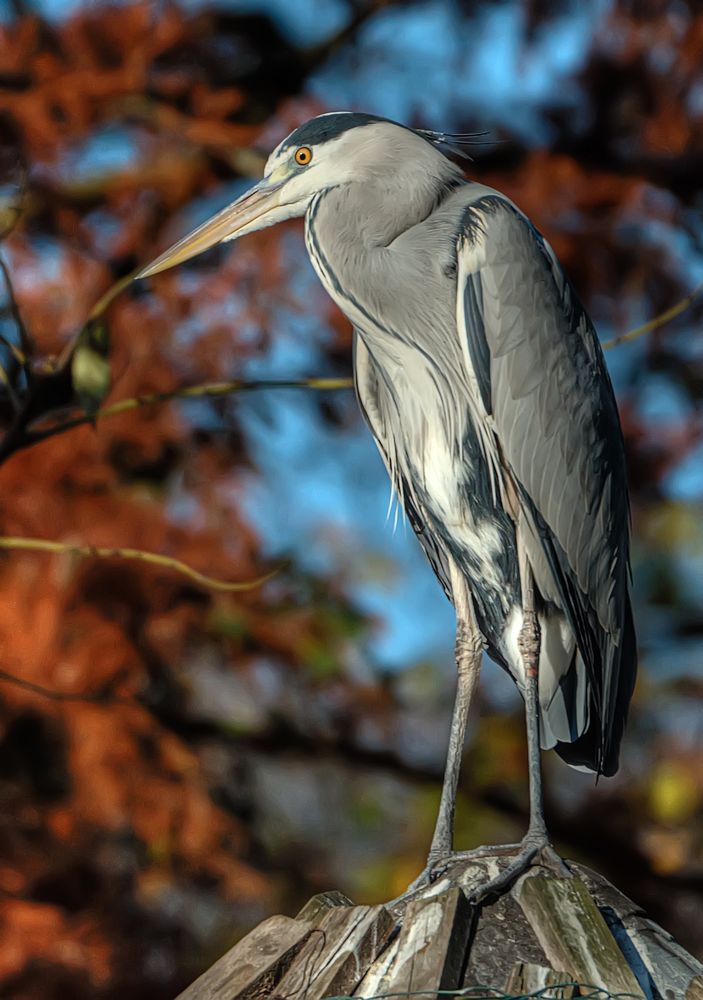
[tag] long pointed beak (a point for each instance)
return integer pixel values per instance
(246, 214)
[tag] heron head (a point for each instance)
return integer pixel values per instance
(328, 151)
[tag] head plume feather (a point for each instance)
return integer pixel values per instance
(453, 142)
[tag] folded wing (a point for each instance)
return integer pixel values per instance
(541, 384)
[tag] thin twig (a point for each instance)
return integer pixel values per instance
(223, 389)
(25, 340)
(13, 348)
(16, 203)
(20, 356)
(112, 293)
(9, 388)
(101, 696)
(207, 389)
(153, 558)
(96, 312)
(318, 54)
(660, 320)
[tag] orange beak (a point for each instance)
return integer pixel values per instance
(246, 214)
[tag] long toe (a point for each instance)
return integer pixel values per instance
(501, 883)
(473, 869)
(431, 873)
(549, 858)
(534, 850)
(450, 863)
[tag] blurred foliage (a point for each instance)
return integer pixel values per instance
(177, 764)
(90, 366)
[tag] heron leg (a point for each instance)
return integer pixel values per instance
(468, 651)
(469, 647)
(529, 646)
(535, 844)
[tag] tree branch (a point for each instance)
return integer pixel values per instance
(138, 555)
(215, 389)
(104, 695)
(21, 438)
(20, 435)
(20, 355)
(654, 324)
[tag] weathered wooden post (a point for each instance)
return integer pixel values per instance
(574, 934)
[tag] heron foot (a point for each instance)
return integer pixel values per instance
(535, 849)
(431, 873)
(439, 864)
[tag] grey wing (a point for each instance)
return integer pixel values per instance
(374, 401)
(543, 384)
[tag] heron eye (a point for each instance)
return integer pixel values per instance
(303, 156)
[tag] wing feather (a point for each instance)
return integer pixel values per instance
(544, 383)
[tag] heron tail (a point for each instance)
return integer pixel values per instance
(598, 747)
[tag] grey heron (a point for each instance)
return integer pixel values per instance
(482, 380)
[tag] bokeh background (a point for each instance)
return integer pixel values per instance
(177, 764)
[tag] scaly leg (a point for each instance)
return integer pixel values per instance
(469, 647)
(536, 840)
(468, 651)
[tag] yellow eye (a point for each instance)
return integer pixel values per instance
(303, 156)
